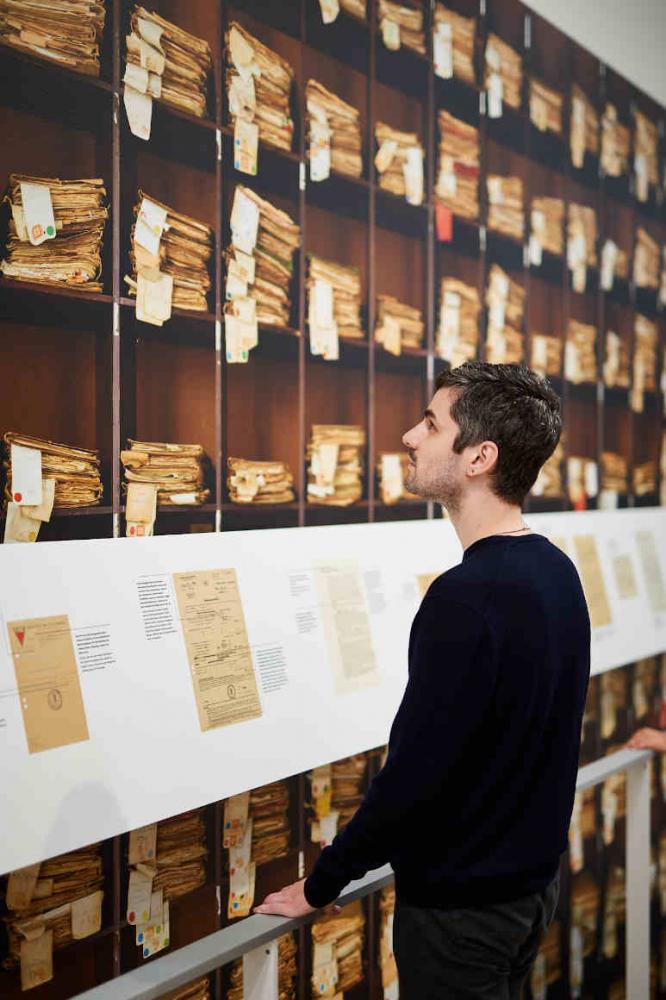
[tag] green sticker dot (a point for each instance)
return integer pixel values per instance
(49, 230)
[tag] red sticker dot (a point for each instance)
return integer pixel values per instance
(131, 916)
(18, 497)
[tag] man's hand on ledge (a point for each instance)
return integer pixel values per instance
(290, 902)
(648, 739)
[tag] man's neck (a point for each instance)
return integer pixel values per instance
(480, 518)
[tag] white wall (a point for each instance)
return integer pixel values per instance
(629, 35)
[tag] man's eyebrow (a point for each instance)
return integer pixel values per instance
(430, 413)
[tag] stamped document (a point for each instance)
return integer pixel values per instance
(346, 625)
(211, 613)
(48, 682)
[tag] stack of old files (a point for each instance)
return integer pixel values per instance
(177, 471)
(458, 168)
(287, 971)
(181, 854)
(335, 473)
(614, 475)
(545, 107)
(504, 62)
(583, 128)
(75, 470)
(549, 483)
(345, 283)
(269, 812)
(399, 163)
(458, 331)
(344, 934)
(398, 325)
(387, 963)
(581, 243)
(546, 355)
(616, 361)
(58, 883)
(358, 8)
(250, 481)
(185, 61)
(580, 360)
(546, 217)
(402, 22)
(183, 251)
(646, 145)
(347, 777)
(582, 474)
(615, 143)
(391, 477)
(646, 260)
(463, 33)
(72, 257)
(585, 909)
(645, 478)
(198, 990)
(67, 32)
(258, 84)
(334, 125)
(645, 358)
(550, 953)
(268, 280)
(505, 205)
(615, 905)
(505, 299)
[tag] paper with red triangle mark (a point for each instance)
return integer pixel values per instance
(20, 634)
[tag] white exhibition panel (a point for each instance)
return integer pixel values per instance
(146, 757)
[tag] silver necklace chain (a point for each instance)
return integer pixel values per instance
(515, 531)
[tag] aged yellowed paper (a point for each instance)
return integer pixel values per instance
(48, 682)
(346, 625)
(625, 578)
(592, 579)
(654, 580)
(218, 650)
(424, 580)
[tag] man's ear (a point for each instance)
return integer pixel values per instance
(483, 459)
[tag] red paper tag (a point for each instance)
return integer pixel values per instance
(580, 504)
(443, 223)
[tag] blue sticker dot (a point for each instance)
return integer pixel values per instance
(146, 953)
(140, 938)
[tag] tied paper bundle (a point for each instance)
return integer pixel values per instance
(458, 169)
(453, 44)
(614, 264)
(584, 915)
(249, 481)
(391, 476)
(287, 971)
(646, 260)
(505, 299)
(169, 256)
(55, 232)
(503, 75)
(582, 480)
(335, 453)
(387, 964)
(398, 325)
(67, 32)
(167, 63)
(171, 475)
(545, 107)
(615, 143)
(334, 306)
(337, 952)
(581, 243)
(399, 163)
(549, 484)
(583, 127)
(269, 812)
(580, 360)
(402, 24)
(546, 354)
(258, 84)
(616, 361)
(198, 990)
(614, 474)
(547, 968)
(48, 906)
(347, 778)
(181, 854)
(458, 331)
(334, 134)
(645, 361)
(546, 218)
(646, 144)
(505, 205)
(645, 478)
(615, 904)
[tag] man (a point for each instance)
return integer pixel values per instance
(473, 804)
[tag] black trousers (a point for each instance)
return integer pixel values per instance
(475, 953)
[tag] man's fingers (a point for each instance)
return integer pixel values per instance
(332, 909)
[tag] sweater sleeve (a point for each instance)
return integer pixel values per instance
(451, 680)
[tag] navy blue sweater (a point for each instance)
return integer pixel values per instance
(474, 801)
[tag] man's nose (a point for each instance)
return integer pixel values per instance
(410, 437)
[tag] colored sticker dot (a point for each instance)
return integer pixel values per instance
(146, 952)
(166, 942)
(140, 941)
(49, 230)
(18, 497)
(132, 916)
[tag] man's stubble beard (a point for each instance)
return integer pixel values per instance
(442, 488)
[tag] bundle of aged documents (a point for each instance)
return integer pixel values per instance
(335, 472)
(287, 970)
(269, 812)
(458, 330)
(249, 481)
(549, 483)
(334, 134)
(615, 903)
(391, 475)
(614, 474)
(582, 480)
(546, 354)
(580, 360)
(503, 75)
(453, 36)
(505, 299)
(547, 967)
(398, 325)
(546, 218)
(55, 232)
(334, 305)
(581, 243)
(167, 63)
(584, 917)
(258, 83)
(356, 7)
(457, 184)
(505, 205)
(583, 127)
(198, 990)
(646, 145)
(545, 107)
(402, 24)
(399, 163)
(615, 143)
(67, 32)
(645, 478)
(387, 964)
(347, 778)
(646, 260)
(581, 828)
(337, 952)
(645, 361)
(169, 255)
(616, 361)
(614, 264)
(49, 905)
(171, 475)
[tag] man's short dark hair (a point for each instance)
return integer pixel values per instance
(512, 406)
